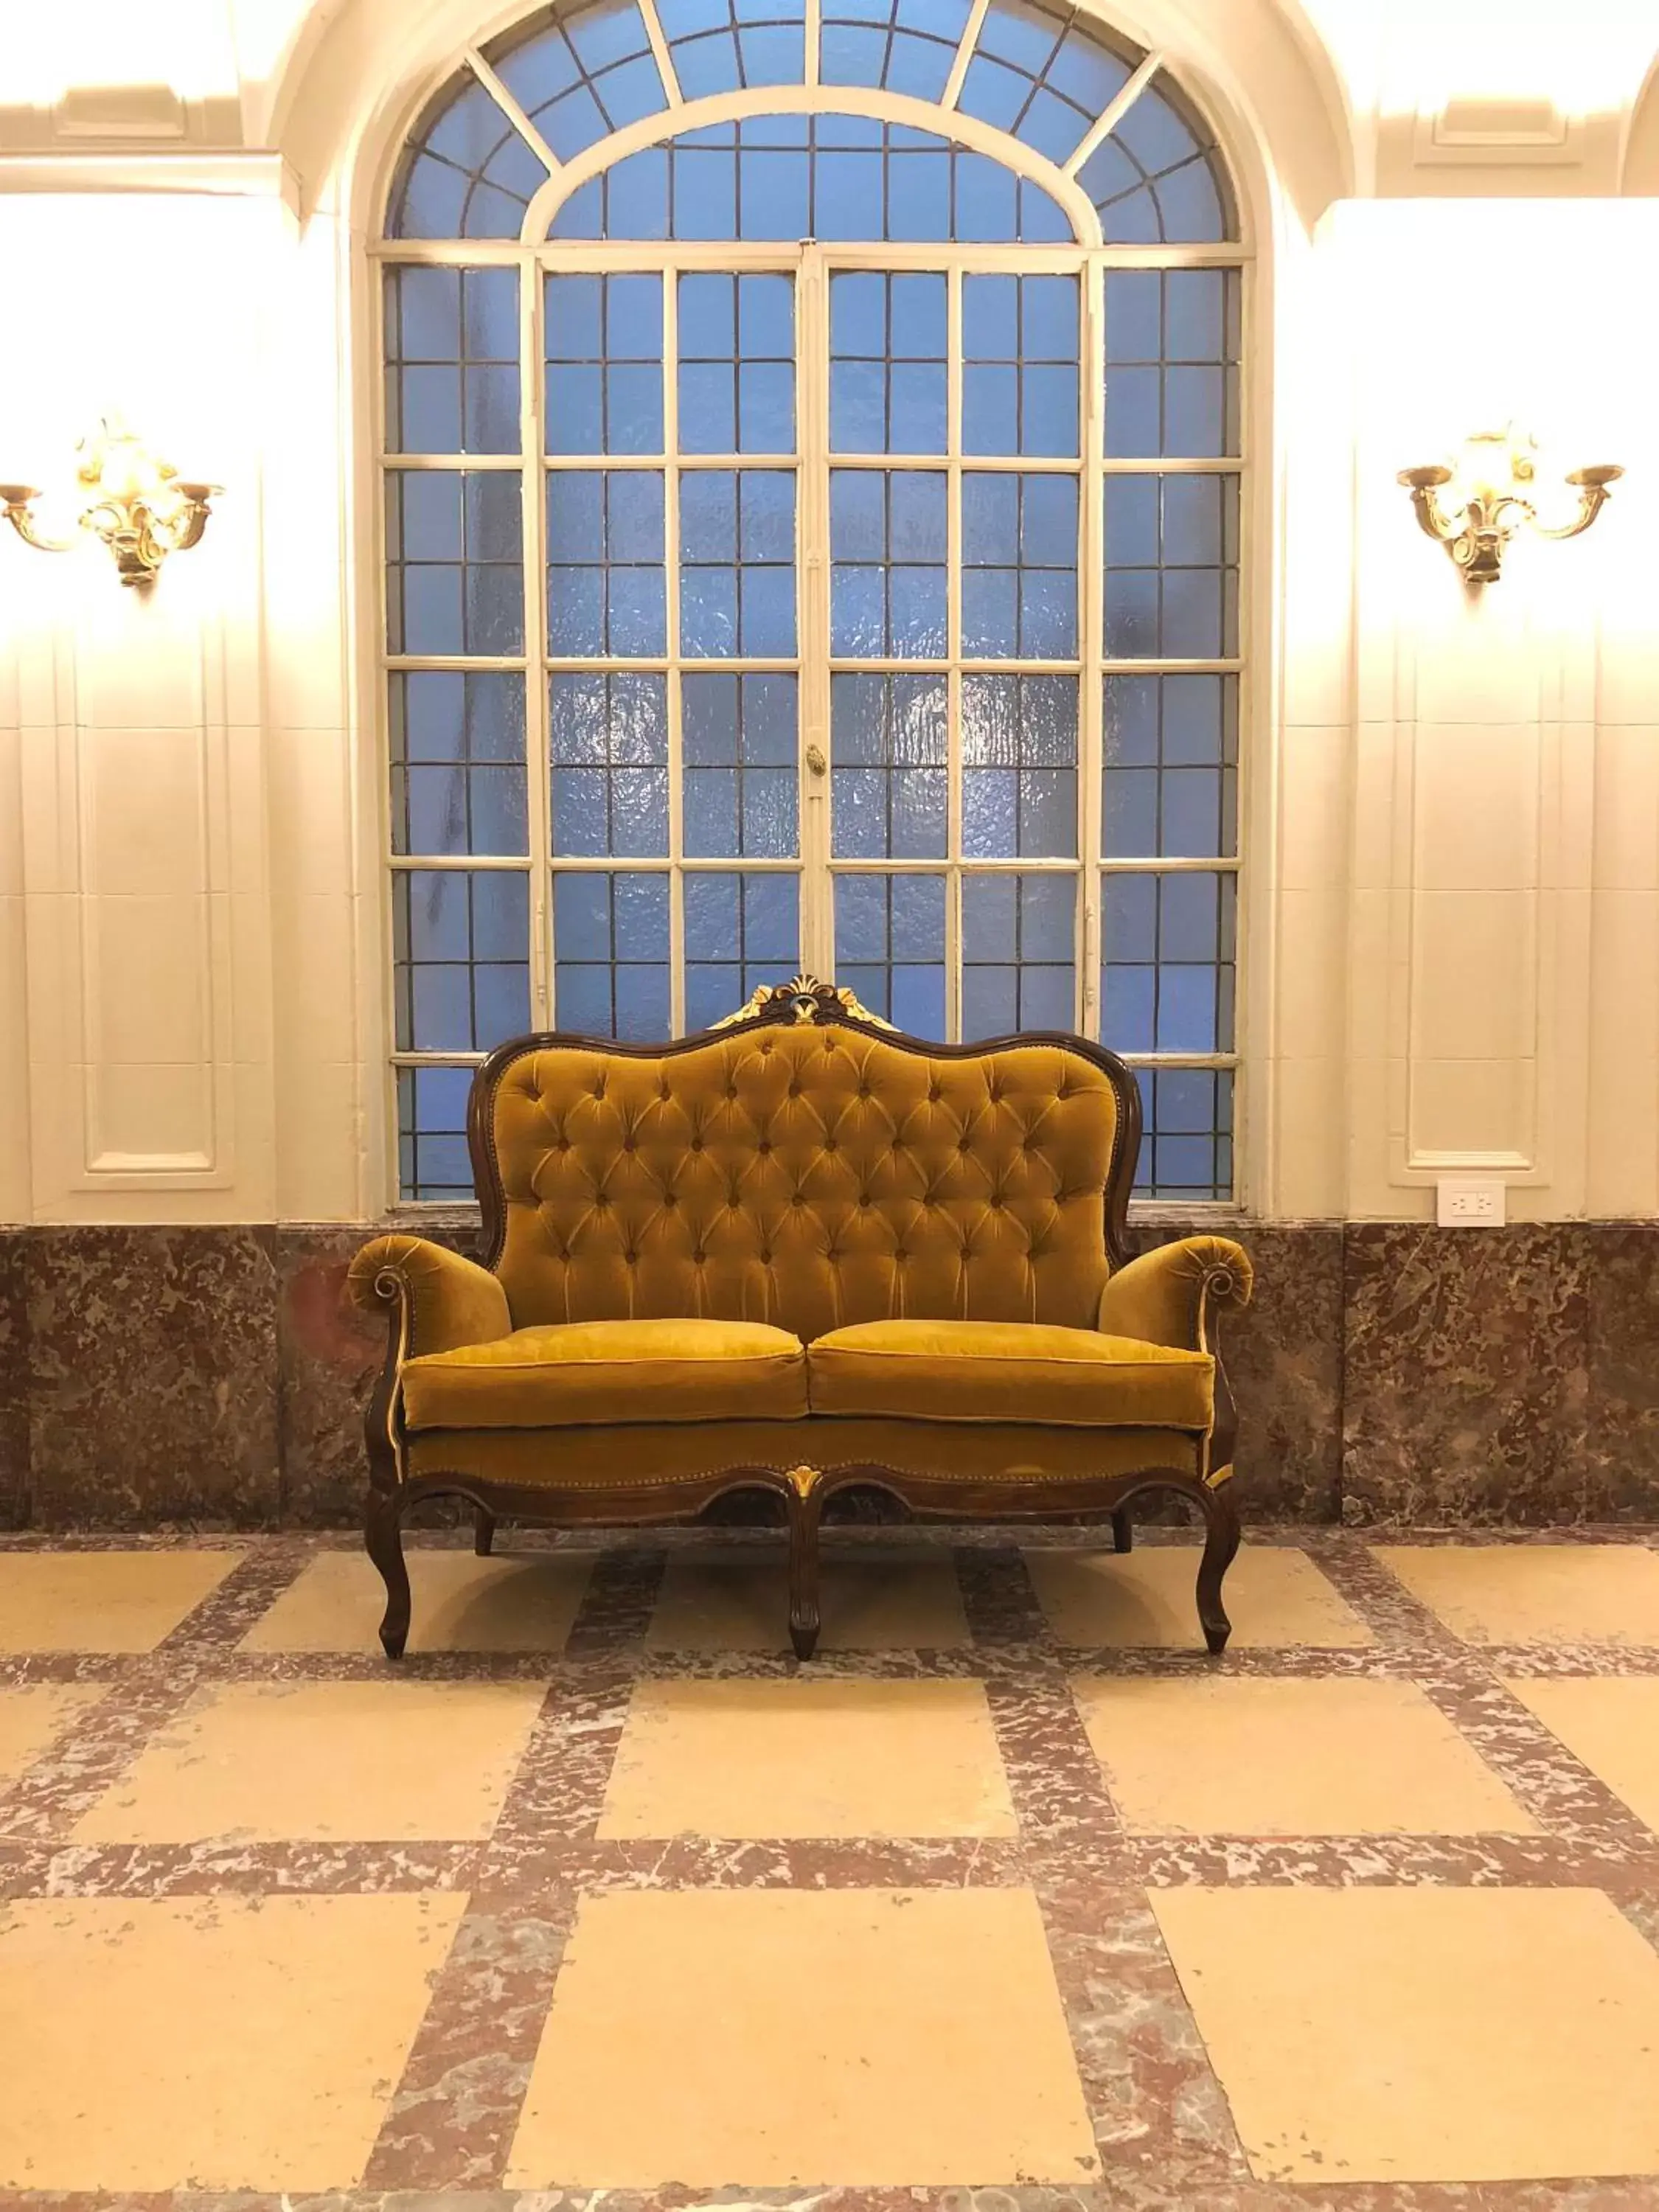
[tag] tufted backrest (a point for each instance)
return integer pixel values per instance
(804, 1176)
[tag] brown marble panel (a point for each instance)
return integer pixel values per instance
(1620, 1460)
(1284, 1361)
(1466, 1382)
(13, 1381)
(152, 1376)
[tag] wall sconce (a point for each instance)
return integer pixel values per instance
(1493, 501)
(135, 502)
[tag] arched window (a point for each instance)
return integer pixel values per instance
(812, 450)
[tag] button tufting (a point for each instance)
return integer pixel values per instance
(669, 1199)
(934, 1092)
(795, 1090)
(766, 1255)
(901, 1254)
(731, 1090)
(699, 1257)
(764, 1146)
(831, 1145)
(864, 1198)
(864, 1090)
(964, 1145)
(631, 1256)
(996, 1206)
(629, 1145)
(697, 1144)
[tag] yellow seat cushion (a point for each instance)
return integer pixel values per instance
(993, 1370)
(582, 1372)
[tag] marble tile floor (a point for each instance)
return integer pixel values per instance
(1010, 1902)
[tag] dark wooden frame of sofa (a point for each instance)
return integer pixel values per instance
(804, 1489)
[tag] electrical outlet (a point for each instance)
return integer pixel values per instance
(1469, 1202)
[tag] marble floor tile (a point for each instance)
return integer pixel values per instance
(1276, 1598)
(207, 2042)
(1232, 1756)
(839, 1758)
(1611, 1723)
(1424, 2034)
(871, 1601)
(33, 1716)
(460, 1603)
(358, 1762)
(96, 1602)
(1534, 1593)
(875, 2038)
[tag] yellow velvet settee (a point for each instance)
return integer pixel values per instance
(803, 1254)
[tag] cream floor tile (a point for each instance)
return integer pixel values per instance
(1143, 1600)
(1611, 1723)
(808, 1758)
(761, 2038)
(207, 2042)
(871, 1601)
(1535, 1593)
(337, 1762)
(32, 1715)
(1424, 2034)
(102, 1601)
(461, 1603)
(1234, 1756)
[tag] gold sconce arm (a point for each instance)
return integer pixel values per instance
(1593, 490)
(17, 504)
(1424, 485)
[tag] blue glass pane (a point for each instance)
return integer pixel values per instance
(737, 563)
(452, 361)
(611, 954)
(890, 947)
(1172, 569)
(460, 958)
(741, 931)
(737, 377)
(1045, 83)
(608, 760)
(603, 342)
(1171, 362)
(740, 779)
(887, 362)
(1018, 936)
(1160, 178)
(454, 562)
(433, 1158)
(1019, 566)
(1019, 750)
(1187, 1146)
(1168, 947)
(1020, 364)
(604, 553)
(586, 73)
(1170, 772)
(887, 549)
(465, 171)
(888, 753)
(458, 773)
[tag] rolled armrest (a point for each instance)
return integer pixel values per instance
(447, 1301)
(1171, 1294)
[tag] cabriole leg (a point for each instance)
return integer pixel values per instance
(804, 1513)
(1221, 1539)
(483, 1532)
(382, 1535)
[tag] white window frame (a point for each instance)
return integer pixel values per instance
(535, 257)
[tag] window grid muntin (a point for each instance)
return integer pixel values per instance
(1019, 260)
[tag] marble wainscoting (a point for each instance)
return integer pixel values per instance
(1386, 1372)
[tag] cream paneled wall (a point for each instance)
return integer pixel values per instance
(1452, 904)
